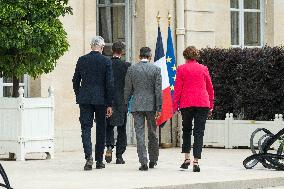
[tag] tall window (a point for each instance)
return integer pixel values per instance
(6, 86)
(113, 23)
(246, 23)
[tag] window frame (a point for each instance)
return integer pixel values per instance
(25, 85)
(128, 24)
(241, 10)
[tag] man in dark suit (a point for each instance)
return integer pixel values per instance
(119, 115)
(144, 82)
(93, 87)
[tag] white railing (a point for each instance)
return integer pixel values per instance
(27, 125)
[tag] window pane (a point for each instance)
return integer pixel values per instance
(235, 28)
(107, 50)
(251, 4)
(10, 80)
(7, 91)
(117, 1)
(112, 23)
(235, 4)
(111, 1)
(7, 80)
(252, 30)
(104, 1)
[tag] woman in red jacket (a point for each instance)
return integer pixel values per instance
(194, 97)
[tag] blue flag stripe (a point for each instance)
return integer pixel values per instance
(159, 52)
(171, 60)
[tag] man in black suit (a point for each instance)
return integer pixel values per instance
(119, 115)
(93, 87)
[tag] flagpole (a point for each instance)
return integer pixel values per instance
(158, 18)
(171, 121)
(158, 21)
(169, 18)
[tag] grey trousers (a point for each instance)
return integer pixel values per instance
(153, 146)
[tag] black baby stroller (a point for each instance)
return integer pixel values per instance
(5, 178)
(265, 142)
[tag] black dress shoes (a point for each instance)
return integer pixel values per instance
(152, 165)
(196, 168)
(100, 165)
(143, 168)
(185, 164)
(89, 164)
(120, 160)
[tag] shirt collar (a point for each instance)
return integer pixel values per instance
(116, 57)
(144, 60)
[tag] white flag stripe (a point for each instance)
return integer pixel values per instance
(164, 71)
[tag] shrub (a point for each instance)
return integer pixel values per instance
(248, 82)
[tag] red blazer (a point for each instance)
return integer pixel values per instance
(193, 87)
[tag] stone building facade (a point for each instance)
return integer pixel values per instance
(203, 23)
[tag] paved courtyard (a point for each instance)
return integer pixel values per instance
(220, 168)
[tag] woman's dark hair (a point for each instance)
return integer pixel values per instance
(118, 47)
(145, 52)
(191, 53)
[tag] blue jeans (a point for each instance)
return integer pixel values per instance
(86, 119)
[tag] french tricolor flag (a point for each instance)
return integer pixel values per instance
(160, 61)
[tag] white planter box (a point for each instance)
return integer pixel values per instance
(240, 130)
(216, 133)
(231, 133)
(27, 125)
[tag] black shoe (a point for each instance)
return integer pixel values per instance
(143, 168)
(196, 167)
(108, 156)
(120, 160)
(185, 164)
(152, 165)
(89, 164)
(100, 165)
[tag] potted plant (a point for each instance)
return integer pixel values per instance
(32, 40)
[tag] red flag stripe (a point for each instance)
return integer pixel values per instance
(167, 107)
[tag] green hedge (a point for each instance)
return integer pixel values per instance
(248, 82)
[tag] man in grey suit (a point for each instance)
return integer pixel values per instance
(144, 82)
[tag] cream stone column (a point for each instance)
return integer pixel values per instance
(269, 22)
(180, 32)
(199, 23)
(89, 11)
(139, 28)
(220, 11)
(278, 23)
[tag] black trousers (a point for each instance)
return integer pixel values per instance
(86, 119)
(199, 115)
(121, 142)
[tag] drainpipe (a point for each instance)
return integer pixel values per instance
(180, 32)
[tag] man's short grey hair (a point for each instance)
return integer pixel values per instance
(98, 41)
